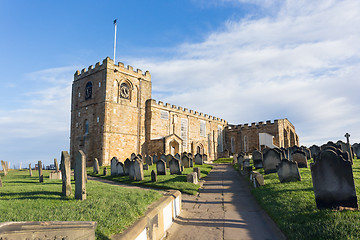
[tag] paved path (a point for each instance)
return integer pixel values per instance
(223, 209)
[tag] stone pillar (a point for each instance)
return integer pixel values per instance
(96, 166)
(30, 171)
(3, 164)
(56, 165)
(65, 173)
(41, 177)
(80, 175)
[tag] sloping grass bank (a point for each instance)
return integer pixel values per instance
(177, 182)
(292, 206)
(23, 198)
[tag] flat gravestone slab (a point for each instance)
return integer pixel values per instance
(333, 181)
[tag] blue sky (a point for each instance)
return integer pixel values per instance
(240, 60)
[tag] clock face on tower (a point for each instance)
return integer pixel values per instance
(124, 91)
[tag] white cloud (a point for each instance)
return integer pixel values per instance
(302, 63)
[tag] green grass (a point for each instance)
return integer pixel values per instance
(223, 160)
(23, 198)
(177, 182)
(292, 206)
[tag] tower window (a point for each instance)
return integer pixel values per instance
(88, 91)
(124, 91)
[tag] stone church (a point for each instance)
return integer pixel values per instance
(113, 115)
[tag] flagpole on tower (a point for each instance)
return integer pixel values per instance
(115, 40)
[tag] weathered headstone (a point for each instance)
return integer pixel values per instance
(80, 175)
(133, 156)
(41, 176)
(186, 161)
(56, 165)
(160, 167)
(96, 166)
(191, 162)
(315, 150)
(307, 152)
(300, 158)
(4, 167)
(348, 147)
(257, 179)
(333, 181)
(163, 157)
(120, 169)
(132, 170)
(105, 171)
(138, 170)
(65, 173)
(153, 176)
(155, 158)
(197, 170)
(257, 159)
(145, 167)
(30, 170)
(113, 163)
(148, 160)
(167, 159)
(192, 178)
(240, 161)
(271, 160)
(198, 159)
(356, 148)
(288, 171)
(177, 156)
(205, 158)
(127, 164)
(175, 167)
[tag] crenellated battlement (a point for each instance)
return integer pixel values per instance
(108, 63)
(252, 125)
(184, 110)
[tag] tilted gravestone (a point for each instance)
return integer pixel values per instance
(65, 173)
(198, 159)
(127, 164)
(113, 163)
(192, 178)
(175, 167)
(41, 176)
(300, 158)
(167, 159)
(30, 170)
(160, 167)
(271, 160)
(56, 165)
(288, 171)
(138, 170)
(333, 181)
(80, 175)
(257, 179)
(257, 159)
(120, 169)
(96, 166)
(197, 170)
(153, 176)
(186, 161)
(148, 160)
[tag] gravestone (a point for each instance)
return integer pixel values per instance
(163, 157)
(240, 161)
(4, 167)
(56, 165)
(186, 161)
(120, 169)
(333, 181)
(307, 152)
(133, 156)
(96, 166)
(153, 176)
(192, 178)
(80, 175)
(139, 156)
(288, 171)
(197, 170)
(177, 156)
(257, 159)
(138, 170)
(41, 176)
(191, 162)
(145, 167)
(205, 158)
(235, 156)
(160, 167)
(356, 149)
(127, 164)
(246, 162)
(347, 147)
(155, 158)
(198, 159)
(257, 179)
(65, 173)
(132, 170)
(271, 160)
(300, 158)
(148, 160)
(175, 167)
(114, 162)
(105, 172)
(30, 170)
(315, 150)
(167, 159)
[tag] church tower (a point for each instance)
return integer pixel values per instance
(108, 111)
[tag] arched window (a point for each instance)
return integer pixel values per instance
(124, 91)
(88, 90)
(86, 127)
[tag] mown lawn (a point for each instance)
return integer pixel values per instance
(23, 198)
(292, 206)
(177, 182)
(223, 160)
